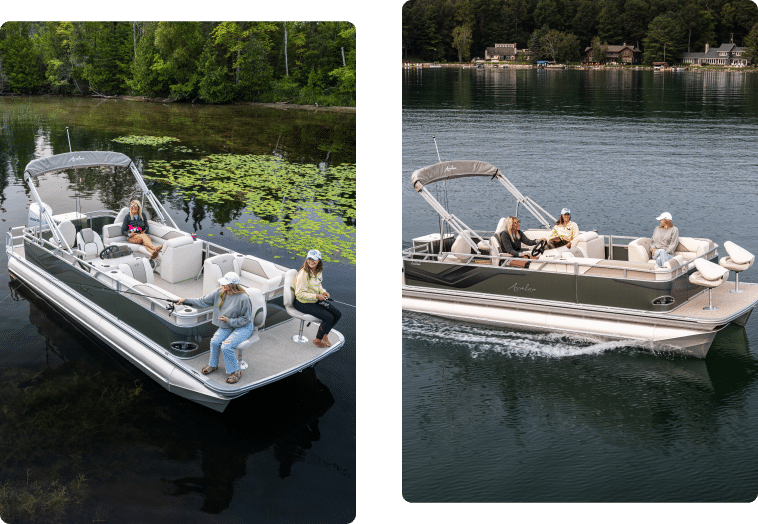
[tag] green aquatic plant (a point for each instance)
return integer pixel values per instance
(296, 207)
(141, 140)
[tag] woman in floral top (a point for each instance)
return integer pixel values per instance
(311, 297)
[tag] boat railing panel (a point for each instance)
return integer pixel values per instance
(574, 265)
(149, 296)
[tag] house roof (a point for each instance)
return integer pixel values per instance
(713, 52)
(616, 48)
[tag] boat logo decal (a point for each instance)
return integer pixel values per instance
(75, 158)
(450, 168)
(516, 287)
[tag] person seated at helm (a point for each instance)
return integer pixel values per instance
(135, 228)
(512, 238)
(664, 240)
(564, 231)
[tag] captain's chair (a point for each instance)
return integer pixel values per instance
(259, 318)
(216, 267)
(739, 260)
(138, 269)
(709, 275)
(68, 230)
(289, 300)
(89, 242)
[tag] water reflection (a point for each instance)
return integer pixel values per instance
(86, 403)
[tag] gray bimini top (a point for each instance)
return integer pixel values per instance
(452, 169)
(76, 159)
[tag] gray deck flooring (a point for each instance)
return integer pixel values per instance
(273, 355)
(727, 303)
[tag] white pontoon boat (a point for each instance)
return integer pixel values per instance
(81, 264)
(605, 287)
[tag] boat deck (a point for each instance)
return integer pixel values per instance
(274, 356)
(728, 303)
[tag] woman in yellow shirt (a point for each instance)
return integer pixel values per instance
(311, 297)
(564, 231)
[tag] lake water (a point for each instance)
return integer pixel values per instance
(497, 415)
(125, 449)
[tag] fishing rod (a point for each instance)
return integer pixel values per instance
(338, 302)
(169, 307)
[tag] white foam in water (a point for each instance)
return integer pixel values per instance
(483, 340)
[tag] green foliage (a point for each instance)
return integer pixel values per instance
(216, 62)
(145, 140)
(666, 39)
(21, 59)
(751, 44)
(296, 206)
(428, 24)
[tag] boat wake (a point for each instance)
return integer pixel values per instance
(484, 340)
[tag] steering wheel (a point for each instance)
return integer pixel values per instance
(106, 253)
(539, 248)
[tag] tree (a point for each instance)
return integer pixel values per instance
(549, 43)
(548, 14)
(22, 62)
(751, 45)
(569, 48)
(584, 23)
(514, 16)
(599, 50)
(609, 22)
(635, 20)
(462, 42)
(666, 39)
(535, 50)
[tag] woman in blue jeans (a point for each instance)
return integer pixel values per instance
(233, 314)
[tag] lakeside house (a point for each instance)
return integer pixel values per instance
(726, 55)
(617, 54)
(503, 53)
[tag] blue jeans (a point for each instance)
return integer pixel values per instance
(227, 339)
(661, 257)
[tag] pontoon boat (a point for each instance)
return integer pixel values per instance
(604, 287)
(81, 264)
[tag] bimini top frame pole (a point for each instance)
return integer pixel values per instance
(470, 168)
(77, 159)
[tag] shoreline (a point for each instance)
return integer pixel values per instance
(427, 65)
(161, 100)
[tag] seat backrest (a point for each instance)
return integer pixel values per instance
(89, 241)
(120, 216)
(738, 254)
(289, 291)
(139, 269)
(501, 225)
(259, 306)
(461, 247)
(225, 263)
(68, 230)
(216, 267)
(709, 270)
(639, 250)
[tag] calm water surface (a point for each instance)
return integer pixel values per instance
(283, 453)
(496, 415)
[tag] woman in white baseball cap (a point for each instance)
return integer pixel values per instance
(564, 231)
(664, 240)
(233, 314)
(312, 299)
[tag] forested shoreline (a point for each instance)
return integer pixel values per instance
(461, 30)
(211, 62)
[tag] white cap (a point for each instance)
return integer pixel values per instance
(315, 254)
(664, 216)
(565, 211)
(230, 278)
